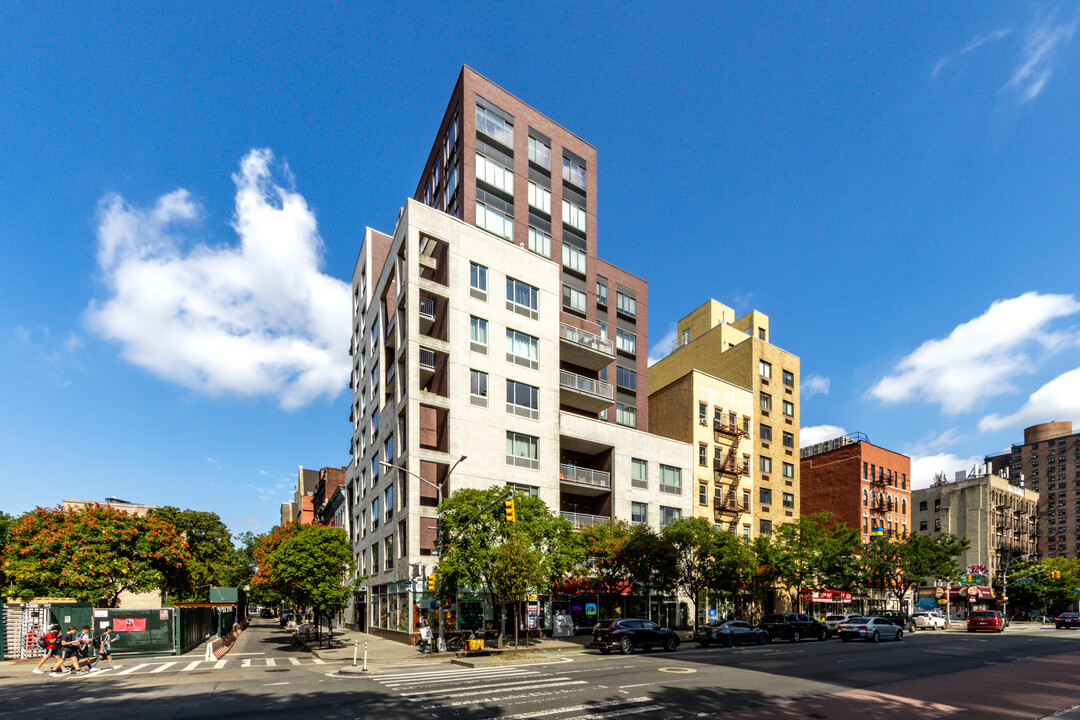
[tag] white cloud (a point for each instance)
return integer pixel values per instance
(812, 385)
(662, 347)
(979, 357)
(256, 319)
(924, 467)
(819, 433)
(981, 40)
(1042, 39)
(1057, 400)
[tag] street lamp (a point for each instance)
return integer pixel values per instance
(438, 537)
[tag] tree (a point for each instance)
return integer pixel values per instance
(734, 566)
(307, 565)
(896, 565)
(474, 529)
(213, 557)
(1033, 587)
(244, 565)
(5, 531)
(620, 558)
(518, 570)
(93, 554)
(696, 546)
(809, 553)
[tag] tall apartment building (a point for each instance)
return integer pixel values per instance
(864, 486)
(714, 416)
(1048, 462)
(713, 341)
(999, 518)
(484, 354)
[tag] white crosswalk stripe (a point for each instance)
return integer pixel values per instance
(176, 667)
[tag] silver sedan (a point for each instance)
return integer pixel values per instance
(872, 629)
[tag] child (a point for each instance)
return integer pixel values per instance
(51, 638)
(85, 649)
(69, 648)
(105, 649)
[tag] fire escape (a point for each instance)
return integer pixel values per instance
(727, 472)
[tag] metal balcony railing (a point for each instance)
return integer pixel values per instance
(584, 476)
(427, 359)
(586, 339)
(427, 308)
(580, 520)
(590, 386)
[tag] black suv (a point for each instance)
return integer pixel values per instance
(896, 618)
(632, 633)
(793, 626)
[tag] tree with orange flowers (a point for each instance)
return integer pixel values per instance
(93, 554)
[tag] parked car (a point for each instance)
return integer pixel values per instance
(631, 633)
(266, 613)
(985, 620)
(870, 628)
(943, 616)
(832, 622)
(928, 620)
(793, 626)
(730, 632)
(1067, 620)
(896, 618)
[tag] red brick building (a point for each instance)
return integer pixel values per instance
(864, 486)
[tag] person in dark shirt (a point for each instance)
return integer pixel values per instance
(69, 648)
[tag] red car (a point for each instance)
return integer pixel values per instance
(985, 620)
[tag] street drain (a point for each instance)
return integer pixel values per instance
(278, 670)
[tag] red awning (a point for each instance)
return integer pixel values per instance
(969, 592)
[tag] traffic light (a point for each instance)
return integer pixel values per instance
(508, 507)
(431, 582)
(1055, 574)
(969, 578)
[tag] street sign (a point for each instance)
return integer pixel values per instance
(1025, 581)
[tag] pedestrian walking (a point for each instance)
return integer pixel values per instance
(87, 652)
(104, 643)
(69, 648)
(51, 639)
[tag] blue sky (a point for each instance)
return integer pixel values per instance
(183, 191)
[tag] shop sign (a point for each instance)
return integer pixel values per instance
(590, 608)
(825, 596)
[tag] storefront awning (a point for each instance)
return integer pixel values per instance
(825, 596)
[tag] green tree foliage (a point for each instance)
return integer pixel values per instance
(1032, 587)
(306, 565)
(475, 531)
(620, 557)
(696, 544)
(518, 569)
(213, 556)
(813, 553)
(244, 566)
(5, 531)
(93, 554)
(895, 565)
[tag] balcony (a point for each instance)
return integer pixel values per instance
(585, 393)
(427, 314)
(584, 349)
(585, 480)
(581, 520)
(427, 365)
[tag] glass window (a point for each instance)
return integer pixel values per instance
(522, 294)
(525, 490)
(765, 496)
(478, 383)
(789, 501)
(625, 304)
(601, 293)
(789, 470)
(494, 221)
(626, 341)
(375, 514)
(789, 378)
(573, 258)
(765, 433)
(639, 512)
(573, 172)
(521, 450)
(389, 498)
(574, 215)
(765, 527)
(478, 277)
(702, 493)
(626, 415)
(539, 242)
(494, 173)
(789, 408)
(789, 440)
(478, 330)
(765, 401)
(522, 349)
(639, 473)
(765, 463)
(702, 454)
(702, 412)
(603, 329)
(765, 369)
(626, 378)
(669, 515)
(539, 197)
(670, 480)
(539, 152)
(522, 399)
(573, 299)
(495, 126)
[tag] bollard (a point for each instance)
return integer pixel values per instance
(365, 656)
(355, 644)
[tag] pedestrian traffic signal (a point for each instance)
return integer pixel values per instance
(508, 507)
(431, 582)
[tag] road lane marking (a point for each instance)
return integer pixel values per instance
(132, 669)
(528, 698)
(319, 661)
(270, 662)
(294, 661)
(456, 678)
(578, 708)
(220, 663)
(164, 667)
(272, 684)
(246, 662)
(494, 690)
(192, 665)
(242, 654)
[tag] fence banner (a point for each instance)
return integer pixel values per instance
(129, 624)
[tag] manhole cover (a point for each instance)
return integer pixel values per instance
(677, 670)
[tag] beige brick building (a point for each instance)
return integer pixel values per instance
(713, 341)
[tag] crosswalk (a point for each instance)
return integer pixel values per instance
(512, 688)
(134, 667)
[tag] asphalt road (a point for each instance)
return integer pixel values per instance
(265, 676)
